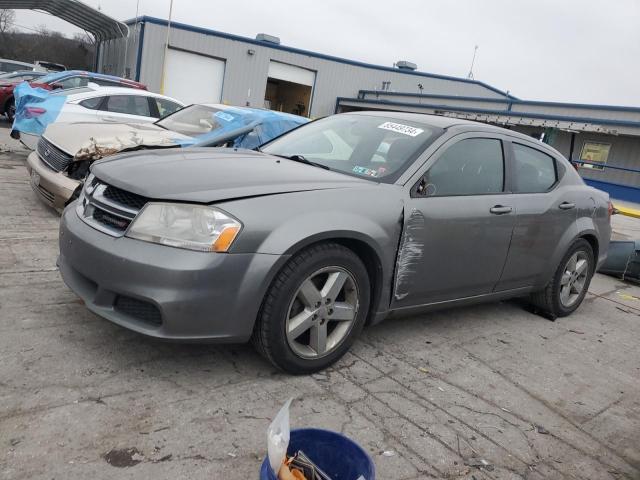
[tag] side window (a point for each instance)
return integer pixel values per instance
(128, 104)
(534, 171)
(166, 107)
(474, 166)
(105, 83)
(92, 103)
(73, 82)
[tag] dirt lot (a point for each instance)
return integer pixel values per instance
(430, 396)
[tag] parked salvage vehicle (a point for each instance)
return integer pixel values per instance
(61, 81)
(65, 152)
(297, 247)
(94, 104)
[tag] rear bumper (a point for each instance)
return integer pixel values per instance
(53, 188)
(160, 291)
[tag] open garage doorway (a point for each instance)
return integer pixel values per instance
(289, 88)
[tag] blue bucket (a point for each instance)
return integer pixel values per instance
(338, 456)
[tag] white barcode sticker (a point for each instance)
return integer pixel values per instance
(400, 128)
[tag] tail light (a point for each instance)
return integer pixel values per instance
(32, 112)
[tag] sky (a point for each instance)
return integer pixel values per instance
(582, 51)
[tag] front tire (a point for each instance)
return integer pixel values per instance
(570, 283)
(314, 309)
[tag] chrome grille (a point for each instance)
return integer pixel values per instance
(52, 156)
(108, 208)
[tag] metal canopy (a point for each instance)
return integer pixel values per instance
(101, 26)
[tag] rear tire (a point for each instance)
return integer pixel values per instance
(570, 283)
(314, 309)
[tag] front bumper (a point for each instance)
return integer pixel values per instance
(162, 291)
(53, 188)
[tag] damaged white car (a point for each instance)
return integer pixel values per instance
(64, 153)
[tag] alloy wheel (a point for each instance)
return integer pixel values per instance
(322, 312)
(574, 278)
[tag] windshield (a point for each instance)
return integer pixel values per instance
(374, 147)
(192, 121)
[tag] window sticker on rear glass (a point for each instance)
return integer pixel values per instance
(400, 128)
(224, 116)
(365, 171)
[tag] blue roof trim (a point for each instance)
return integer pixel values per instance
(229, 36)
(513, 101)
(504, 113)
(435, 95)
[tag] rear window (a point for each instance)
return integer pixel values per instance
(535, 171)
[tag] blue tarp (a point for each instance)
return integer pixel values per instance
(35, 108)
(269, 124)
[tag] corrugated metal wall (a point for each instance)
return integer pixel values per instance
(246, 75)
(113, 59)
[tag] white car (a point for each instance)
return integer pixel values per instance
(110, 105)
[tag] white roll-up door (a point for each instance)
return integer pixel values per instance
(193, 78)
(291, 73)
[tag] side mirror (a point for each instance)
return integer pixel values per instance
(56, 86)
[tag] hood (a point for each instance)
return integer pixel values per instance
(91, 140)
(207, 175)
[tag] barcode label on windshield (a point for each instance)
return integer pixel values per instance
(400, 128)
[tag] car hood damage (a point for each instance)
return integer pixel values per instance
(93, 141)
(207, 175)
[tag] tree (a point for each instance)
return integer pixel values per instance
(7, 19)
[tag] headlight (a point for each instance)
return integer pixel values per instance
(195, 227)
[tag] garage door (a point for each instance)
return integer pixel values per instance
(193, 78)
(291, 73)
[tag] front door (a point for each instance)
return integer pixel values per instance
(457, 225)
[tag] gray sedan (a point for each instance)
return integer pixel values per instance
(340, 223)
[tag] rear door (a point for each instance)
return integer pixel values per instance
(457, 224)
(545, 212)
(126, 108)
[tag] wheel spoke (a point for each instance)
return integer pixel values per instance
(578, 286)
(343, 311)
(571, 264)
(333, 285)
(565, 278)
(318, 340)
(308, 294)
(565, 293)
(581, 266)
(300, 324)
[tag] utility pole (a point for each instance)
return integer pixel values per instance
(473, 61)
(166, 48)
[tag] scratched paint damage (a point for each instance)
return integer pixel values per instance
(410, 253)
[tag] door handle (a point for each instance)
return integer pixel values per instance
(500, 210)
(566, 206)
(108, 118)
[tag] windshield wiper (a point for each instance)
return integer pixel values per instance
(302, 159)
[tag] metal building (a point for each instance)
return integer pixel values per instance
(200, 65)
(205, 65)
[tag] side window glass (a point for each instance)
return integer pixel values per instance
(73, 82)
(534, 171)
(166, 107)
(91, 103)
(129, 105)
(104, 83)
(474, 166)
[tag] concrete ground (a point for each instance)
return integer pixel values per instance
(488, 392)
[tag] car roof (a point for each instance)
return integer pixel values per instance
(455, 124)
(102, 91)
